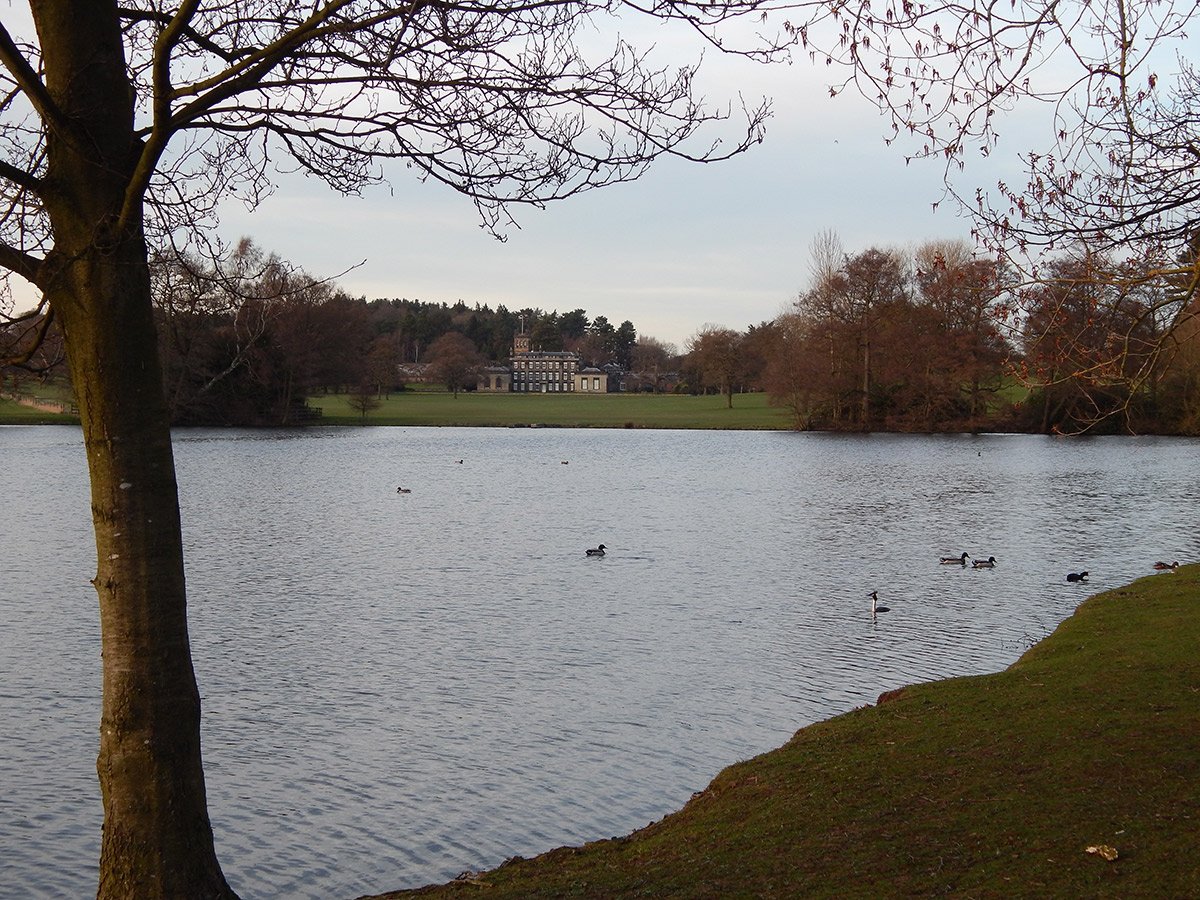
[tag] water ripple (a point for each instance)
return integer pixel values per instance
(398, 688)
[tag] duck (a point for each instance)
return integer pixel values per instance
(597, 551)
(1167, 566)
(875, 607)
(989, 563)
(403, 490)
(1077, 576)
(956, 560)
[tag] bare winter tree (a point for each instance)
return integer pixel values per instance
(652, 360)
(715, 352)
(1114, 176)
(125, 124)
(454, 361)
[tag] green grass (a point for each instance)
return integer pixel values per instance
(13, 413)
(563, 410)
(981, 787)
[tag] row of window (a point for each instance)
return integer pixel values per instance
(544, 365)
(592, 385)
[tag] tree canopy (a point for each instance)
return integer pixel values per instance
(1112, 176)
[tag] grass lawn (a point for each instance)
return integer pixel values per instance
(13, 413)
(983, 787)
(564, 410)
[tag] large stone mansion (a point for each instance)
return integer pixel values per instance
(545, 372)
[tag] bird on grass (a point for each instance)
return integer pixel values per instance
(1167, 566)
(1077, 576)
(989, 563)
(597, 551)
(875, 607)
(956, 560)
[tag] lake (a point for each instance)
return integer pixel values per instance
(401, 687)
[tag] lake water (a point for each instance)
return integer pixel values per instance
(401, 687)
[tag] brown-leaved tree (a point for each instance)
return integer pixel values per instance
(1112, 174)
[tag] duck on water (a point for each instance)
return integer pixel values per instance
(956, 560)
(596, 551)
(875, 607)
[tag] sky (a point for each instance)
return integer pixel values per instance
(684, 246)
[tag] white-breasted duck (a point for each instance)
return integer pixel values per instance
(596, 551)
(875, 607)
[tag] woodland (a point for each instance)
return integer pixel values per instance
(930, 339)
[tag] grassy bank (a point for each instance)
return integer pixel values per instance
(561, 410)
(991, 786)
(13, 413)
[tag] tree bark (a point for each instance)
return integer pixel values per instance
(157, 839)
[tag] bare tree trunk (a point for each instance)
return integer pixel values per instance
(866, 384)
(157, 840)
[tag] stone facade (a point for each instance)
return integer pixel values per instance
(547, 372)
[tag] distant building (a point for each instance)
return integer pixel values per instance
(547, 372)
(592, 381)
(495, 379)
(544, 371)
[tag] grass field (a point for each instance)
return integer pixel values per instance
(12, 413)
(750, 411)
(1074, 773)
(432, 408)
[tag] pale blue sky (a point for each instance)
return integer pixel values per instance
(684, 246)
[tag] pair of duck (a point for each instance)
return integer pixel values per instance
(989, 563)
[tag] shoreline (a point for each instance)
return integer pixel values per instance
(1073, 772)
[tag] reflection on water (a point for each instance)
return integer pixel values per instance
(399, 687)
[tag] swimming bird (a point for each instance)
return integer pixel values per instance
(956, 560)
(989, 563)
(875, 607)
(403, 490)
(1163, 565)
(1077, 576)
(598, 551)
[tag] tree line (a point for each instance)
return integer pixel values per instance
(244, 340)
(935, 339)
(941, 339)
